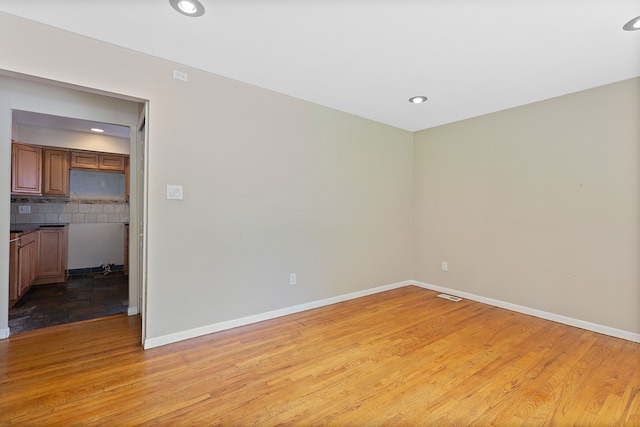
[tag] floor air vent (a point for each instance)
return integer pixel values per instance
(450, 297)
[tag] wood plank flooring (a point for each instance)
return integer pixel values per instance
(403, 357)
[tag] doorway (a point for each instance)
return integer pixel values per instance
(87, 105)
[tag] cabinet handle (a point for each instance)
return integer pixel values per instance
(17, 239)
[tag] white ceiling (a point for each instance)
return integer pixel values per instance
(367, 57)
(67, 123)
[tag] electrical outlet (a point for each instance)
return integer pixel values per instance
(445, 266)
(292, 279)
(24, 209)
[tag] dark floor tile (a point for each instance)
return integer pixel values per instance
(44, 303)
(84, 294)
(70, 305)
(71, 301)
(87, 313)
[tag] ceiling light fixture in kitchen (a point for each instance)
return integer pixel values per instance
(417, 99)
(191, 8)
(633, 25)
(97, 130)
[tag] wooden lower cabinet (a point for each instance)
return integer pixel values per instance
(35, 258)
(52, 255)
(27, 261)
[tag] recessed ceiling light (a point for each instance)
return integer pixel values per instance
(417, 99)
(97, 130)
(632, 25)
(188, 7)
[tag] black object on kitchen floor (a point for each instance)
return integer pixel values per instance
(72, 301)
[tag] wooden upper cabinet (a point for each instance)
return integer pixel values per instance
(97, 161)
(84, 160)
(26, 169)
(38, 170)
(111, 162)
(55, 172)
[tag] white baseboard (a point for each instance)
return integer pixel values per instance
(594, 327)
(192, 333)
(209, 329)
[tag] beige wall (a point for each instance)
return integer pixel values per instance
(272, 185)
(537, 206)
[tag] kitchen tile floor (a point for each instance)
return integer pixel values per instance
(72, 301)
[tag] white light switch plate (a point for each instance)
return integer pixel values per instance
(174, 192)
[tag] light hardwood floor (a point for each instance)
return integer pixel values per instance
(403, 357)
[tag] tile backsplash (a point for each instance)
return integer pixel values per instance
(64, 210)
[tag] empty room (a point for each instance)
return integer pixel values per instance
(338, 213)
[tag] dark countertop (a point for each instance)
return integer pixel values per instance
(26, 228)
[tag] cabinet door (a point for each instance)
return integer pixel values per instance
(27, 261)
(23, 269)
(52, 250)
(55, 178)
(26, 169)
(111, 162)
(82, 160)
(33, 262)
